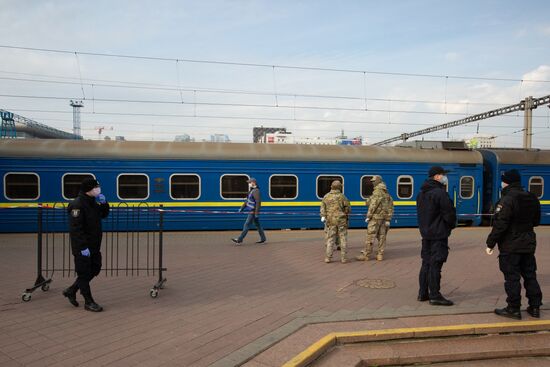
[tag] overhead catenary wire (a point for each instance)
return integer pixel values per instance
(298, 128)
(279, 66)
(229, 117)
(80, 75)
(161, 87)
(221, 104)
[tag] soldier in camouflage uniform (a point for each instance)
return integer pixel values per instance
(335, 209)
(378, 218)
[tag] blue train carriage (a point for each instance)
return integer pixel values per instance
(534, 166)
(202, 185)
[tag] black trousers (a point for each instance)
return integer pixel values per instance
(434, 254)
(515, 266)
(87, 268)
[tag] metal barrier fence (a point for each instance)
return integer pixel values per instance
(127, 249)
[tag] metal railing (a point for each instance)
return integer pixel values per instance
(127, 249)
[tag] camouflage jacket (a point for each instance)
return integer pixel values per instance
(380, 204)
(335, 208)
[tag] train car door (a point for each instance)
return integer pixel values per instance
(465, 198)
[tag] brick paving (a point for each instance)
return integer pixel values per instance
(225, 304)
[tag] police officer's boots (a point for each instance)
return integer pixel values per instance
(70, 293)
(510, 312)
(534, 312)
(91, 305)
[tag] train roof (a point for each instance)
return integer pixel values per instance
(519, 156)
(149, 150)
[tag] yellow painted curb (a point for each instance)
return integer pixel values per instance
(318, 348)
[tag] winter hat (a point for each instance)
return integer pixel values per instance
(511, 176)
(88, 184)
(437, 170)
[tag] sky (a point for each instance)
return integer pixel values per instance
(395, 67)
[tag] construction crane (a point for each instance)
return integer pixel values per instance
(527, 105)
(100, 129)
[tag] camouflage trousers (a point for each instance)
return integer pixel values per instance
(376, 229)
(334, 233)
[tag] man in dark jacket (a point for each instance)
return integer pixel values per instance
(85, 215)
(516, 213)
(252, 204)
(436, 219)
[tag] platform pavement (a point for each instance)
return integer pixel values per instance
(224, 304)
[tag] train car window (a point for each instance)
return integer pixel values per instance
(21, 186)
(405, 187)
(466, 187)
(183, 186)
(283, 187)
(323, 184)
(133, 186)
(234, 186)
(70, 184)
(536, 186)
(366, 187)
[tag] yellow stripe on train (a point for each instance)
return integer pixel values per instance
(194, 204)
(191, 204)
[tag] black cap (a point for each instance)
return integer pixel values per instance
(88, 184)
(437, 170)
(511, 176)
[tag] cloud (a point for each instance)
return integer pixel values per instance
(452, 56)
(544, 30)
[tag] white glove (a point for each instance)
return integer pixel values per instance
(323, 219)
(489, 251)
(366, 220)
(388, 223)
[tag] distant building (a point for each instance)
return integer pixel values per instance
(286, 137)
(219, 138)
(479, 142)
(259, 133)
(278, 137)
(120, 138)
(185, 138)
(355, 141)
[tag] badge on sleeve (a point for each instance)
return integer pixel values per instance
(75, 213)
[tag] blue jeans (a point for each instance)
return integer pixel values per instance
(252, 218)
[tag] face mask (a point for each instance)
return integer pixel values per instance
(250, 186)
(444, 180)
(96, 191)
(503, 184)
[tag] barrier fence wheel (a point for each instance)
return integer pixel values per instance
(45, 287)
(154, 293)
(26, 297)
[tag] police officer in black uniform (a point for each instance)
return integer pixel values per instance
(85, 215)
(436, 218)
(516, 213)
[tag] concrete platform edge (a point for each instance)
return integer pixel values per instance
(249, 351)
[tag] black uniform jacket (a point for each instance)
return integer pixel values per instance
(516, 213)
(85, 216)
(435, 210)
